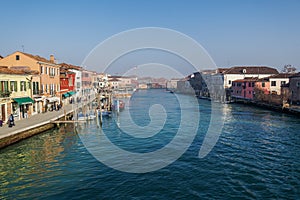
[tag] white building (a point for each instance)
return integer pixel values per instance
(220, 82)
(276, 81)
(78, 81)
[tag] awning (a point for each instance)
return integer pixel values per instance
(23, 100)
(38, 99)
(53, 99)
(65, 95)
(72, 93)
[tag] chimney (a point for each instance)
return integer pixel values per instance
(52, 58)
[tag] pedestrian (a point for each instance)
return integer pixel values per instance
(11, 120)
(25, 114)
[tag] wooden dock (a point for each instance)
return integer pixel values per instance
(68, 121)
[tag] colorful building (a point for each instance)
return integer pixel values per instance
(48, 87)
(278, 80)
(243, 88)
(16, 93)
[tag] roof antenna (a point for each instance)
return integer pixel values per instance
(23, 48)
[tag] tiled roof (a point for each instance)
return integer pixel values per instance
(282, 75)
(247, 79)
(295, 75)
(69, 66)
(264, 79)
(222, 70)
(113, 79)
(251, 70)
(6, 70)
(36, 57)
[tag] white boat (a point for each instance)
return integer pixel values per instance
(91, 116)
(82, 117)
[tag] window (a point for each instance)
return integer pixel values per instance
(253, 84)
(42, 69)
(263, 84)
(273, 83)
(71, 81)
(17, 57)
(233, 84)
(229, 82)
(46, 70)
(298, 84)
(249, 84)
(3, 86)
(22, 86)
(29, 85)
(282, 83)
(13, 86)
(52, 72)
(51, 89)
(46, 88)
(249, 92)
(42, 87)
(35, 86)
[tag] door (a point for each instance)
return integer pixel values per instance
(3, 116)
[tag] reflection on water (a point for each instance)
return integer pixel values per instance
(35, 158)
(256, 157)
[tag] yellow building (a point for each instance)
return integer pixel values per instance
(15, 94)
(48, 80)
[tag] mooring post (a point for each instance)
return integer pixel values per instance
(65, 115)
(101, 116)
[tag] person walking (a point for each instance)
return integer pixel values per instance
(11, 121)
(25, 114)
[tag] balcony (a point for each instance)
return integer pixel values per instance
(4, 94)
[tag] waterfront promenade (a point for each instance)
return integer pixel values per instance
(33, 122)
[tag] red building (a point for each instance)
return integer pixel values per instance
(67, 81)
(243, 88)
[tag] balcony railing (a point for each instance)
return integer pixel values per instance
(4, 94)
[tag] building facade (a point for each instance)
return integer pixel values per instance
(48, 86)
(15, 94)
(294, 87)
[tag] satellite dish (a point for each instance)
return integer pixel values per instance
(244, 71)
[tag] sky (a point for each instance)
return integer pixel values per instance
(233, 32)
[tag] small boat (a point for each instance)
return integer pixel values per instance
(121, 105)
(91, 116)
(82, 117)
(105, 113)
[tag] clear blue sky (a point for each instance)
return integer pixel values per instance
(240, 32)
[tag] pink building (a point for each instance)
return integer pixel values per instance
(263, 86)
(243, 88)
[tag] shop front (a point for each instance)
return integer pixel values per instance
(22, 107)
(51, 103)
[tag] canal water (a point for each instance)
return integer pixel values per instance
(255, 157)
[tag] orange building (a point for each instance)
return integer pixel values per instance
(47, 89)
